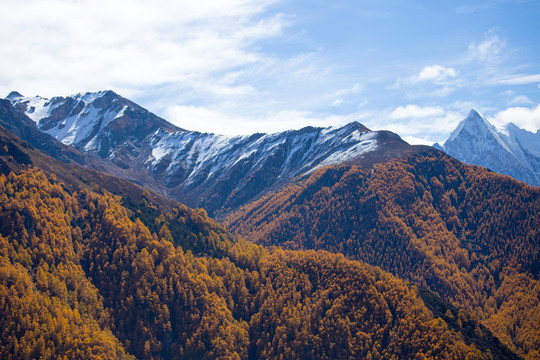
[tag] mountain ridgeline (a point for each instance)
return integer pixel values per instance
(216, 172)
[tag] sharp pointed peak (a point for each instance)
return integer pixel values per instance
(474, 111)
(14, 95)
(475, 115)
(474, 120)
(355, 125)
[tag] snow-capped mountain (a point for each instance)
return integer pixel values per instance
(510, 150)
(92, 122)
(200, 169)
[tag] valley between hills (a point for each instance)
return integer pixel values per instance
(123, 236)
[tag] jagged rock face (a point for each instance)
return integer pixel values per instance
(93, 122)
(232, 170)
(26, 129)
(200, 169)
(510, 151)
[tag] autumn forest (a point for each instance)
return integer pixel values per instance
(419, 257)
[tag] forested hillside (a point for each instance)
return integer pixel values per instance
(468, 234)
(81, 276)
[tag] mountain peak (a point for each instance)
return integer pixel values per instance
(14, 95)
(474, 113)
(474, 123)
(474, 116)
(93, 121)
(509, 150)
(355, 125)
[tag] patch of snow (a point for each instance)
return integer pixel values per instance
(122, 112)
(81, 126)
(73, 129)
(89, 97)
(367, 143)
(245, 155)
(521, 140)
(36, 108)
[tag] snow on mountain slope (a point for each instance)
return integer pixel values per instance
(200, 169)
(207, 156)
(91, 122)
(510, 151)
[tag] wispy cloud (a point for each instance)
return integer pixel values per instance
(60, 46)
(415, 111)
(474, 8)
(418, 124)
(240, 66)
(520, 100)
(340, 95)
(434, 73)
(223, 121)
(433, 81)
(488, 50)
(520, 79)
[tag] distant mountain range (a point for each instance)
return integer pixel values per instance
(511, 150)
(200, 169)
(109, 133)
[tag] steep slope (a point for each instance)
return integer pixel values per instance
(26, 129)
(93, 122)
(82, 277)
(17, 154)
(510, 151)
(221, 173)
(466, 233)
(216, 172)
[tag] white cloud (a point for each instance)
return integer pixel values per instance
(415, 124)
(432, 81)
(415, 111)
(488, 50)
(414, 140)
(463, 106)
(57, 47)
(337, 102)
(419, 125)
(523, 117)
(352, 90)
(224, 122)
(435, 73)
(520, 79)
(197, 118)
(520, 100)
(338, 96)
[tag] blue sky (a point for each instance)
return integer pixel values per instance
(244, 66)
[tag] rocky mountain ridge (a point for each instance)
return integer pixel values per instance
(200, 169)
